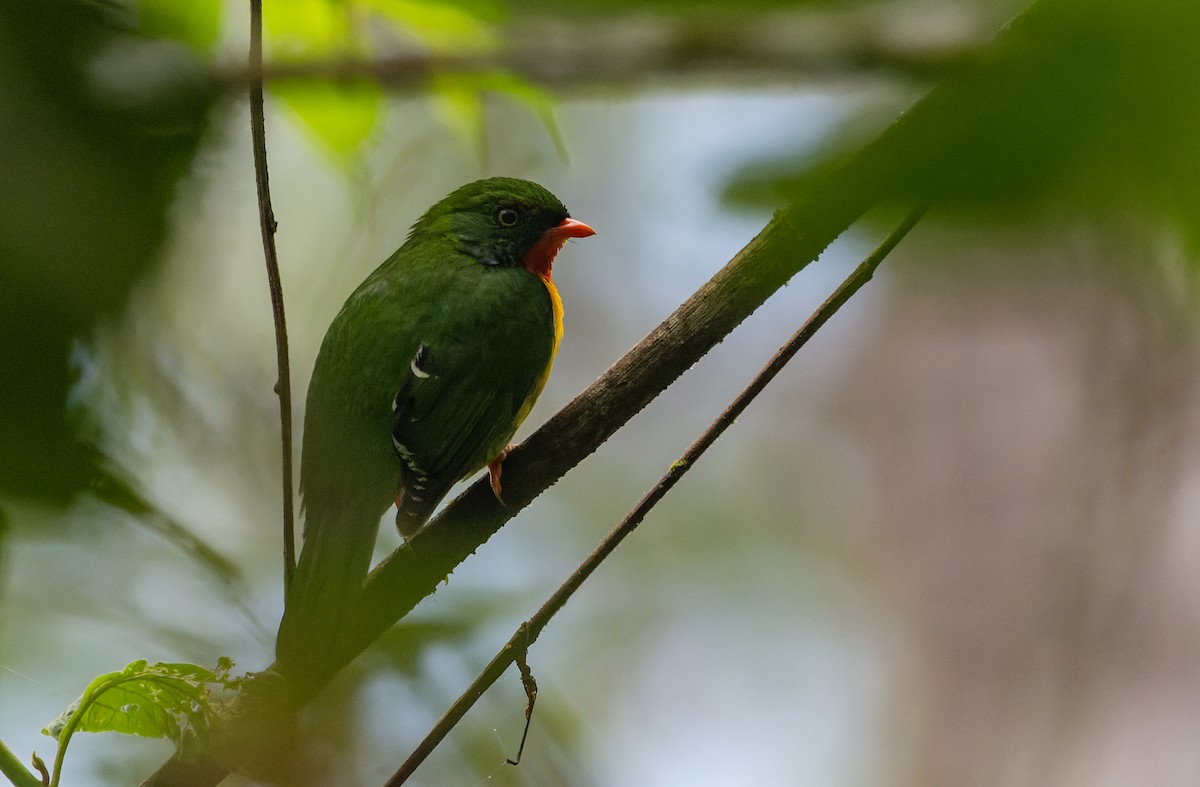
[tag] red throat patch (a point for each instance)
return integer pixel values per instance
(540, 258)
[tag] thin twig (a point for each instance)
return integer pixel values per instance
(791, 241)
(529, 683)
(266, 221)
(528, 632)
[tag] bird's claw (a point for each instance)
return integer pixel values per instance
(494, 469)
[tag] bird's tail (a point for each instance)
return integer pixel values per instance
(415, 505)
(319, 610)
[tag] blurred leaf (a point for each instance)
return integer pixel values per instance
(302, 28)
(108, 486)
(196, 23)
(539, 101)
(460, 102)
(676, 7)
(461, 109)
(1088, 101)
(87, 181)
(402, 646)
(341, 117)
(441, 26)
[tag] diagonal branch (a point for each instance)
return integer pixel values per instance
(528, 632)
(1007, 129)
(791, 240)
(266, 221)
(794, 238)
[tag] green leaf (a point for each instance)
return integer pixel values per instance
(160, 700)
(339, 117)
(342, 116)
(1084, 103)
(459, 103)
(303, 28)
(151, 700)
(443, 27)
(196, 23)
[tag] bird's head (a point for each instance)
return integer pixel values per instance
(505, 222)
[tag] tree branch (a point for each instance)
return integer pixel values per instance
(267, 224)
(588, 60)
(790, 241)
(1006, 130)
(528, 632)
(636, 49)
(415, 569)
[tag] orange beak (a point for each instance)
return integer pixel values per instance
(541, 257)
(570, 228)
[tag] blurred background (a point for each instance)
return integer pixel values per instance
(953, 544)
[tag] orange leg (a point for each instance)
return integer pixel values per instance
(494, 469)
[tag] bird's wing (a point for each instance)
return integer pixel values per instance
(447, 421)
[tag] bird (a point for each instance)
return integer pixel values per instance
(422, 380)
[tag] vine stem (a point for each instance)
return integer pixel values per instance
(528, 632)
(268, 225)
(12, 767)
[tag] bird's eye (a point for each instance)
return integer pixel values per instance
(506, 217)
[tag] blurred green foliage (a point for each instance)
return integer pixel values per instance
(341, 116)
(90, 161)
(1085, 102)
(681, 7)
(197, 24)
(1088, 102)
(105, 104)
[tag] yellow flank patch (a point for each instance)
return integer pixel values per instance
(556, 308)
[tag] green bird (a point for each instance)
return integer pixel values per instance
(422, 379)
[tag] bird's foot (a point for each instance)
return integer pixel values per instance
(407, 526)
(494, 469)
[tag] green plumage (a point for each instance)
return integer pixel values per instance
(421, 380)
